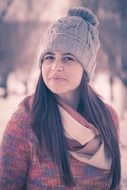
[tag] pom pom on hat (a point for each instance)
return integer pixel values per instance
(84, 13)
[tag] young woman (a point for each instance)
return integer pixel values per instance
(63, 136)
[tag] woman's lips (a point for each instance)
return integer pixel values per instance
(57, 79)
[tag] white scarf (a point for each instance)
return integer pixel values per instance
(76, 131)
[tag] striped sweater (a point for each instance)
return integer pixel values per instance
(23, 166)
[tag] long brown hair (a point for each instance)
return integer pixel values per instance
(48, 127)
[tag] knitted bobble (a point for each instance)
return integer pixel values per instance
(84, 13)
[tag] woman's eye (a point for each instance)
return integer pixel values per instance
(48, 58)
(68, 59)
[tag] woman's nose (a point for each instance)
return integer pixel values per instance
(57, 65)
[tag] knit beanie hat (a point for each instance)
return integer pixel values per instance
(76, 34)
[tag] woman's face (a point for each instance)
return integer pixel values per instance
(61, 72)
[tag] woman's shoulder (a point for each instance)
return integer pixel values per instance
(26, 103)
(115, 117)
(113, 113)
(21, 117)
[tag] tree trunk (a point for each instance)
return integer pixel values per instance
(124, 41)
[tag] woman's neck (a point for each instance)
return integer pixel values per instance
(71, 98)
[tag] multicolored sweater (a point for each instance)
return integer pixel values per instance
(21, 168)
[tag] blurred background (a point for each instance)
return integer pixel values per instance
(22, 24)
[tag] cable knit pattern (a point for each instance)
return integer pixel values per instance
(23, 166)
(76, 33)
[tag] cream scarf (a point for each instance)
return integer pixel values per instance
(78, 129)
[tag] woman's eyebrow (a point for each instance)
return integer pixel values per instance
(67, 54)
(50, 53)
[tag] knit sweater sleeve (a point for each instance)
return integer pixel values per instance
(14, 155)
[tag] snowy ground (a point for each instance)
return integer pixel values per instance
(8, 106)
